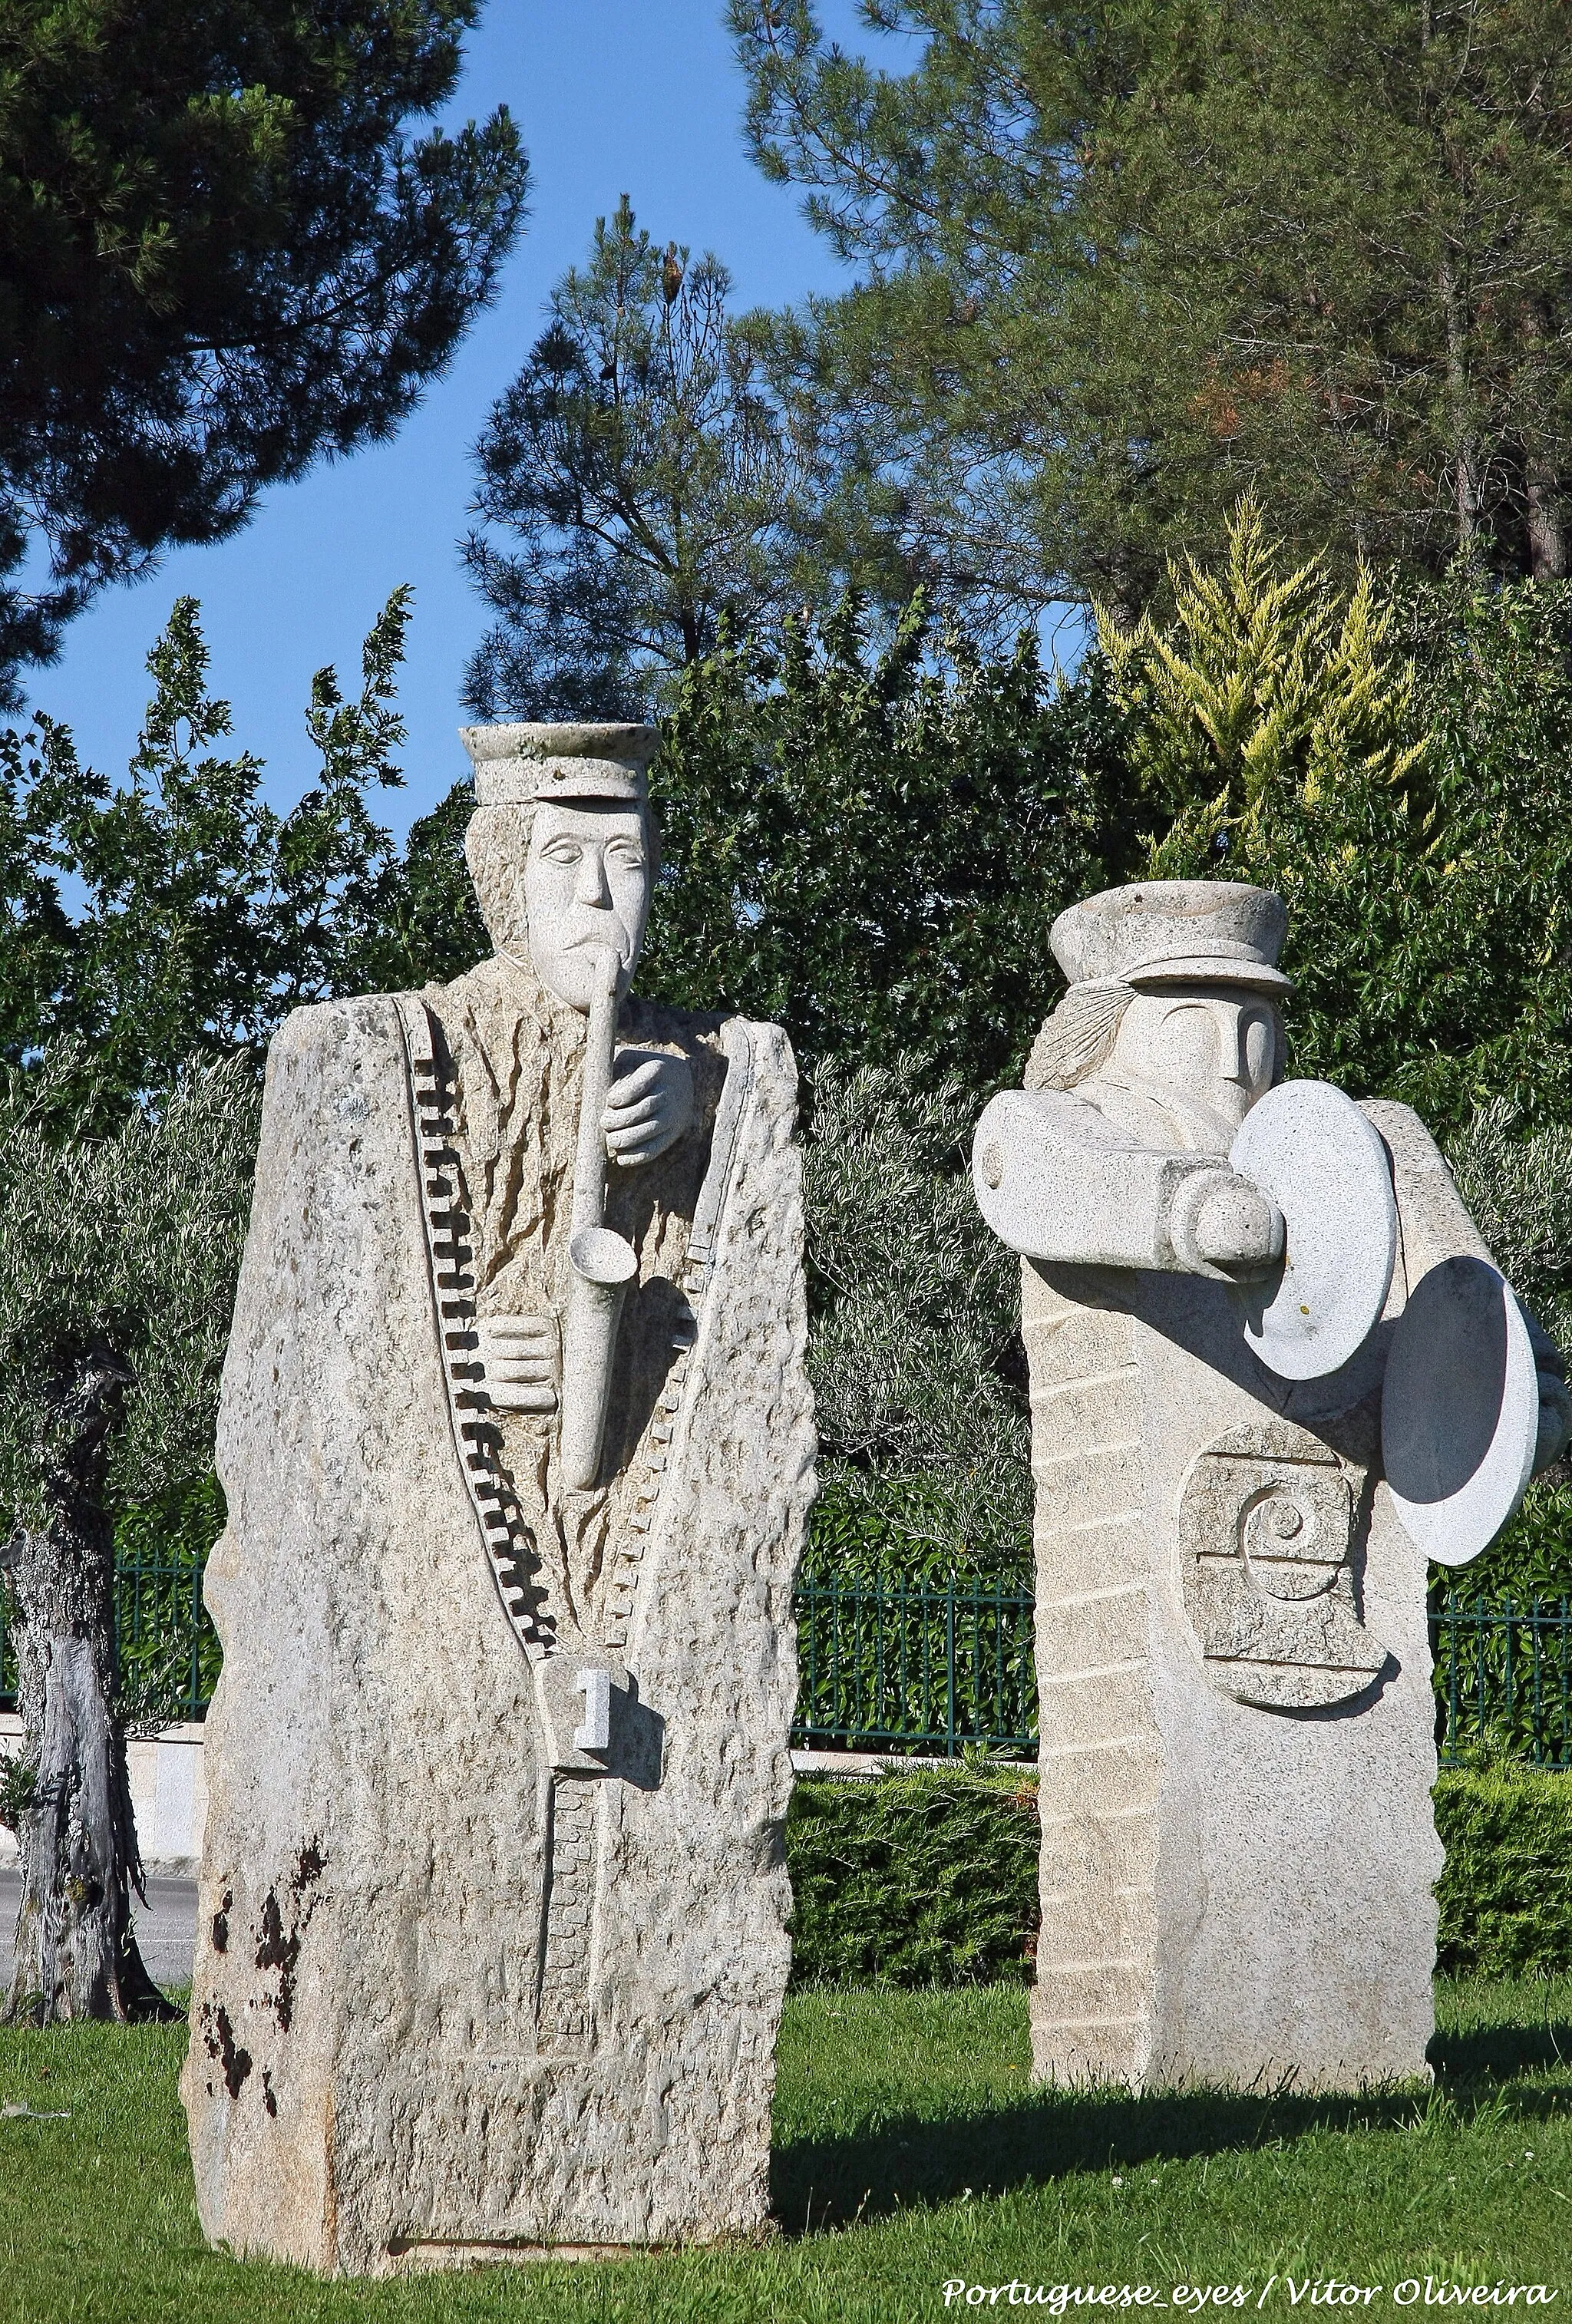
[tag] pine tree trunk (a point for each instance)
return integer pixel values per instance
(1546, 535)
(1466, 481)
(75, 1954)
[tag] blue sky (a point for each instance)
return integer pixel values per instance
(640, 97)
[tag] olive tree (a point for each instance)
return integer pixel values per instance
(917, 1375)
(118, 1257)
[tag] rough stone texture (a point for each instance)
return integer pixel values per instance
(1231, 1894)
(449, 2003)
(1237, 1725)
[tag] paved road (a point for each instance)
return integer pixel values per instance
(166, 1931)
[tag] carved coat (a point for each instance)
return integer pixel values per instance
(1237, 1724)
(461, 1986)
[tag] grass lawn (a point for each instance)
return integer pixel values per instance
(909, 2151)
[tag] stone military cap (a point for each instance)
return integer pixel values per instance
(516, 765)
(1162, 931)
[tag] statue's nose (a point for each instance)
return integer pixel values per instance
(1236, 1051)
(590, 887)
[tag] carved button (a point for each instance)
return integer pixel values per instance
(1296, 1537)
(1266, 1533)
(993, 1167)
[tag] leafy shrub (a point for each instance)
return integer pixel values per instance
(916, 1376)
(927, 1879)
(17, 1777)
(870, 849)
(1414, 809)
(930, 1879)
(1506, 1892)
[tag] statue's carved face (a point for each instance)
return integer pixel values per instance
(586, 889)
(1216, 1045)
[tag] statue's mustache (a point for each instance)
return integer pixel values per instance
(589, 928)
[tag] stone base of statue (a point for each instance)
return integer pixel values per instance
(493, 1919)
(1238, 1722)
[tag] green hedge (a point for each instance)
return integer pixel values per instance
(1506, 1893)
(931, 1879)
(922, 1879)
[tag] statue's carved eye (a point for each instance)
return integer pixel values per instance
(1185, 1043)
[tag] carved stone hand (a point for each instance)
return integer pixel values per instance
(1224, 1222)
(649, 1108)
(521, 1360)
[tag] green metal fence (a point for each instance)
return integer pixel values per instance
(169, 1654)
(931, 1669)
(919, 1667)
(169, 1651)
(1504, 1676)
(925, 1668)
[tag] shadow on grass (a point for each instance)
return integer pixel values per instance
(1500, 2052)
(912, 2159)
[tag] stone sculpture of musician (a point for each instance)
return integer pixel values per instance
(517, 1445)
(1273, 1371)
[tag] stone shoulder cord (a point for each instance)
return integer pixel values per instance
(509, 1545)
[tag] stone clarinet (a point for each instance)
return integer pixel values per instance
(517, 1448)
(1242, 1456)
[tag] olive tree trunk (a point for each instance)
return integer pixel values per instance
(75, 1952)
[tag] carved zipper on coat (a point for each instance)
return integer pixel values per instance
(510, 1545)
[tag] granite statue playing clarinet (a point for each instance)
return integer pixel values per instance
(517, 1446)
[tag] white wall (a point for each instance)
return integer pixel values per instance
(168, 1792)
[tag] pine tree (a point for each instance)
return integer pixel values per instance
(635, 484)
(220, 257)
(1118, 264)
